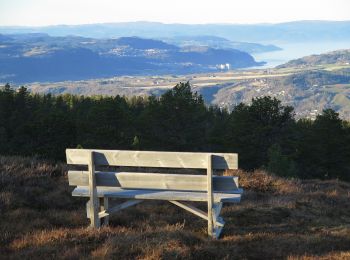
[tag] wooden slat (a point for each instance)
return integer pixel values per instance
(153, 159)
(137, 180)
(115, 192)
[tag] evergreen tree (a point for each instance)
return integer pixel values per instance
(324, 147)
(255, 128)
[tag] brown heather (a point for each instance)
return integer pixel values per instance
(277, 219)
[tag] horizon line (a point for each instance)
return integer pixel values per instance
(175, 23)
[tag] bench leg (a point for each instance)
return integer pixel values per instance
(94, 201)
(210, 195)
(95, 222)
(215, 223)
(104, 206)
(218, 221)
(210, 228)
(211, 222)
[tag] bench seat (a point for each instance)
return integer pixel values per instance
(116, 192)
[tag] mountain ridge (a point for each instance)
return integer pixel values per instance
(285, 32)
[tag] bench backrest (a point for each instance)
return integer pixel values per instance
(220, 161)
(137, 180)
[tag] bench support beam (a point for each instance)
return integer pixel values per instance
(217, 220)
(104, 207)
(124, 205)
(191, 209)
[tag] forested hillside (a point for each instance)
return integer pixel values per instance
(264, 133)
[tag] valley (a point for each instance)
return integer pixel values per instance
(225, 70)
(308, 89)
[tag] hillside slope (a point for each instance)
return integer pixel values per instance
(340, 57)
(220, 43)
(308, 90)
(277, 219)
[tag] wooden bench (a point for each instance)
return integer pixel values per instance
(101, 186)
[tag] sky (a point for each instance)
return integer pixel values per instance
(51, 12)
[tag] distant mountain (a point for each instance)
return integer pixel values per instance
(341, 57)
(39, 57)
(144, 44)
(260, 33)
(220, 43)
(5, 38)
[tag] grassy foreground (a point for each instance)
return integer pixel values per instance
(277, 219)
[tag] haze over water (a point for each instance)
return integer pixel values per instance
(292, 51)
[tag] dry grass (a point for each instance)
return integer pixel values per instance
(277, 219)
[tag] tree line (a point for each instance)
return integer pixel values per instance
(264, 133)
